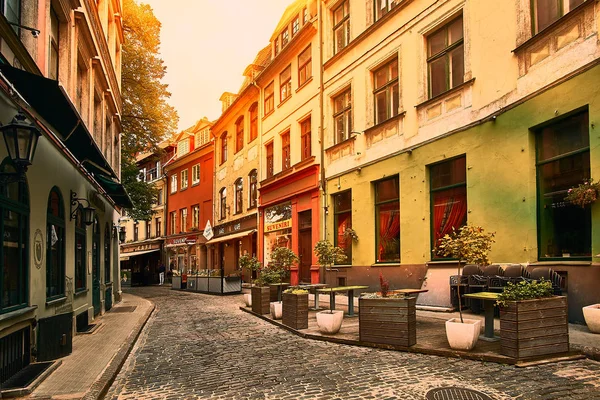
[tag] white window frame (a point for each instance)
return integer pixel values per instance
(184, 179)
(183, 147)
(174, 183)
(196, 174)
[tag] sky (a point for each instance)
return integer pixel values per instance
(206, 45)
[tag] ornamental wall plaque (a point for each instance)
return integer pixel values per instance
(38, 248)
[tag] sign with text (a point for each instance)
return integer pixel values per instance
(208, 232)
(278, 217)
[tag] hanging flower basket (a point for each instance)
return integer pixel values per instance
(583, 194)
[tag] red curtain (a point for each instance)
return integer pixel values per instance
(449, 210)
(344, 221)
(389, 228)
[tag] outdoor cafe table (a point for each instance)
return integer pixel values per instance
(408, 292)
(309, 286)
(279, 285)
(489, 298)
(349, 289)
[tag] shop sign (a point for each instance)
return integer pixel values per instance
(182, 240)
(278, 217)
(208, 232)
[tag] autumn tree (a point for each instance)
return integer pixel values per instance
(147, 118)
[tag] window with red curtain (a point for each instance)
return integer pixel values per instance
(342, 203)
(448, 197)
(387, 219)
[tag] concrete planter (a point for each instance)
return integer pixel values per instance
(462, 335)
(388, 321)
(260, 299)
(534, 328)
(330, 322)
(276, 309)
(176, 282)
(248, 299)
(592, 317)
(295, 310)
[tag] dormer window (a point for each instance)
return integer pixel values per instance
(276, 46)
(295, 26)
(285, 38)
(183, 147)
(305, 16)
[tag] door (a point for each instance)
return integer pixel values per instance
(304, 245)
(96, 267)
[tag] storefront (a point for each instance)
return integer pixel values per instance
(186, 254)
(140, 262)
(292, 221)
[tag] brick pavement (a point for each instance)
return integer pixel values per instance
(201, 346)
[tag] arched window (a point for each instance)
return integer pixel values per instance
(55, 248)
(107, 263)
(252, 191)
(223, 203)
(14, 263)
(80, 249)
(239, 134)
(253, 122)
(96, 266)
(223, 147)
(239, 195)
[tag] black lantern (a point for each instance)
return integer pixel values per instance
(88, 212)
(21, 140)
(122, 234)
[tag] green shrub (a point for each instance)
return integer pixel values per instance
(296, 291)
(525, 291)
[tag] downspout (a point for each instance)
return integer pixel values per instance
(321, 134)
(260, 165)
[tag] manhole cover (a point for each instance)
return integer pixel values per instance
(455, 393)
(123, 309)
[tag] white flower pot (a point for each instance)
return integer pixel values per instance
(463, 336)
(276, 309)
(330, 321)
(592, 317)
(248, 299)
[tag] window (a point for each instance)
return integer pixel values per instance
(342, 204)
(445, 58)
(136, 232)
(252, 188)
(563, 161)
(174, 183)
(148, 226)
(341, 26)
(184, 214)
(239, 134)
(295, 26)
(387, 220)
(183, 147)
(285, 151)
(285, 83)
(159, 198)
(342, 116)
(157, 222)
(53, 46)
(253, 122)
(223, 147)
(276, 47)
(239, 195)
(202, 137)
(285, 38)
(173, 221)
(223, 203)
(196, 216)
(12, 11)
(14, 224)
(305, 139)
(269, 98)
(545, 12)
(304, 66)
(55, 234)
(386, 91)
(305, 16)
(107, 263)
(184, 179)
(196, 174)
(80, 253)
(270, 164)
(382, 7)
(448, 196)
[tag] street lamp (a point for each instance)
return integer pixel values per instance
(21, 140)
(122, 234)
(88, 212)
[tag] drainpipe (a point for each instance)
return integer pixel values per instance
(321, 134)
(260, 163)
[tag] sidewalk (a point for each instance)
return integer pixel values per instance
(90, 369)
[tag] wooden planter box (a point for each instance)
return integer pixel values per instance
(388, 321)
(295, 310)
(260, 300)
(534, 328)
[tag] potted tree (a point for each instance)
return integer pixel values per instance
(329, 321)
(387, 318)
(533, 322)
(250, 264)
(261, 289)
(282, 258)
(295, 308)
(468, 244)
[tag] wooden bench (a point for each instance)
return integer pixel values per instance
(350, 289)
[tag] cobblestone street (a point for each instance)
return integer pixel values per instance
(201, 346)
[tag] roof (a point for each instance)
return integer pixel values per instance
(288, 14)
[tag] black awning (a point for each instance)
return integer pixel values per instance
(115, 190)
(52, 103)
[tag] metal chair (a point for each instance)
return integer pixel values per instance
(515, 273)
(460, 283)
(550, 275)
(481, 283)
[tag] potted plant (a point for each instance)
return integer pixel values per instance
(387, 318)
(251, 264)
(583, 194)
(329, 321)
(468, 244)
(533, 322)
(295, 308)
(350, 234)
(591, 314)
(282, 258)
(261, 289)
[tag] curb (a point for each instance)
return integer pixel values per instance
(100, 387)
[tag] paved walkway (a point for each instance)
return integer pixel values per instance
(96, 357)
